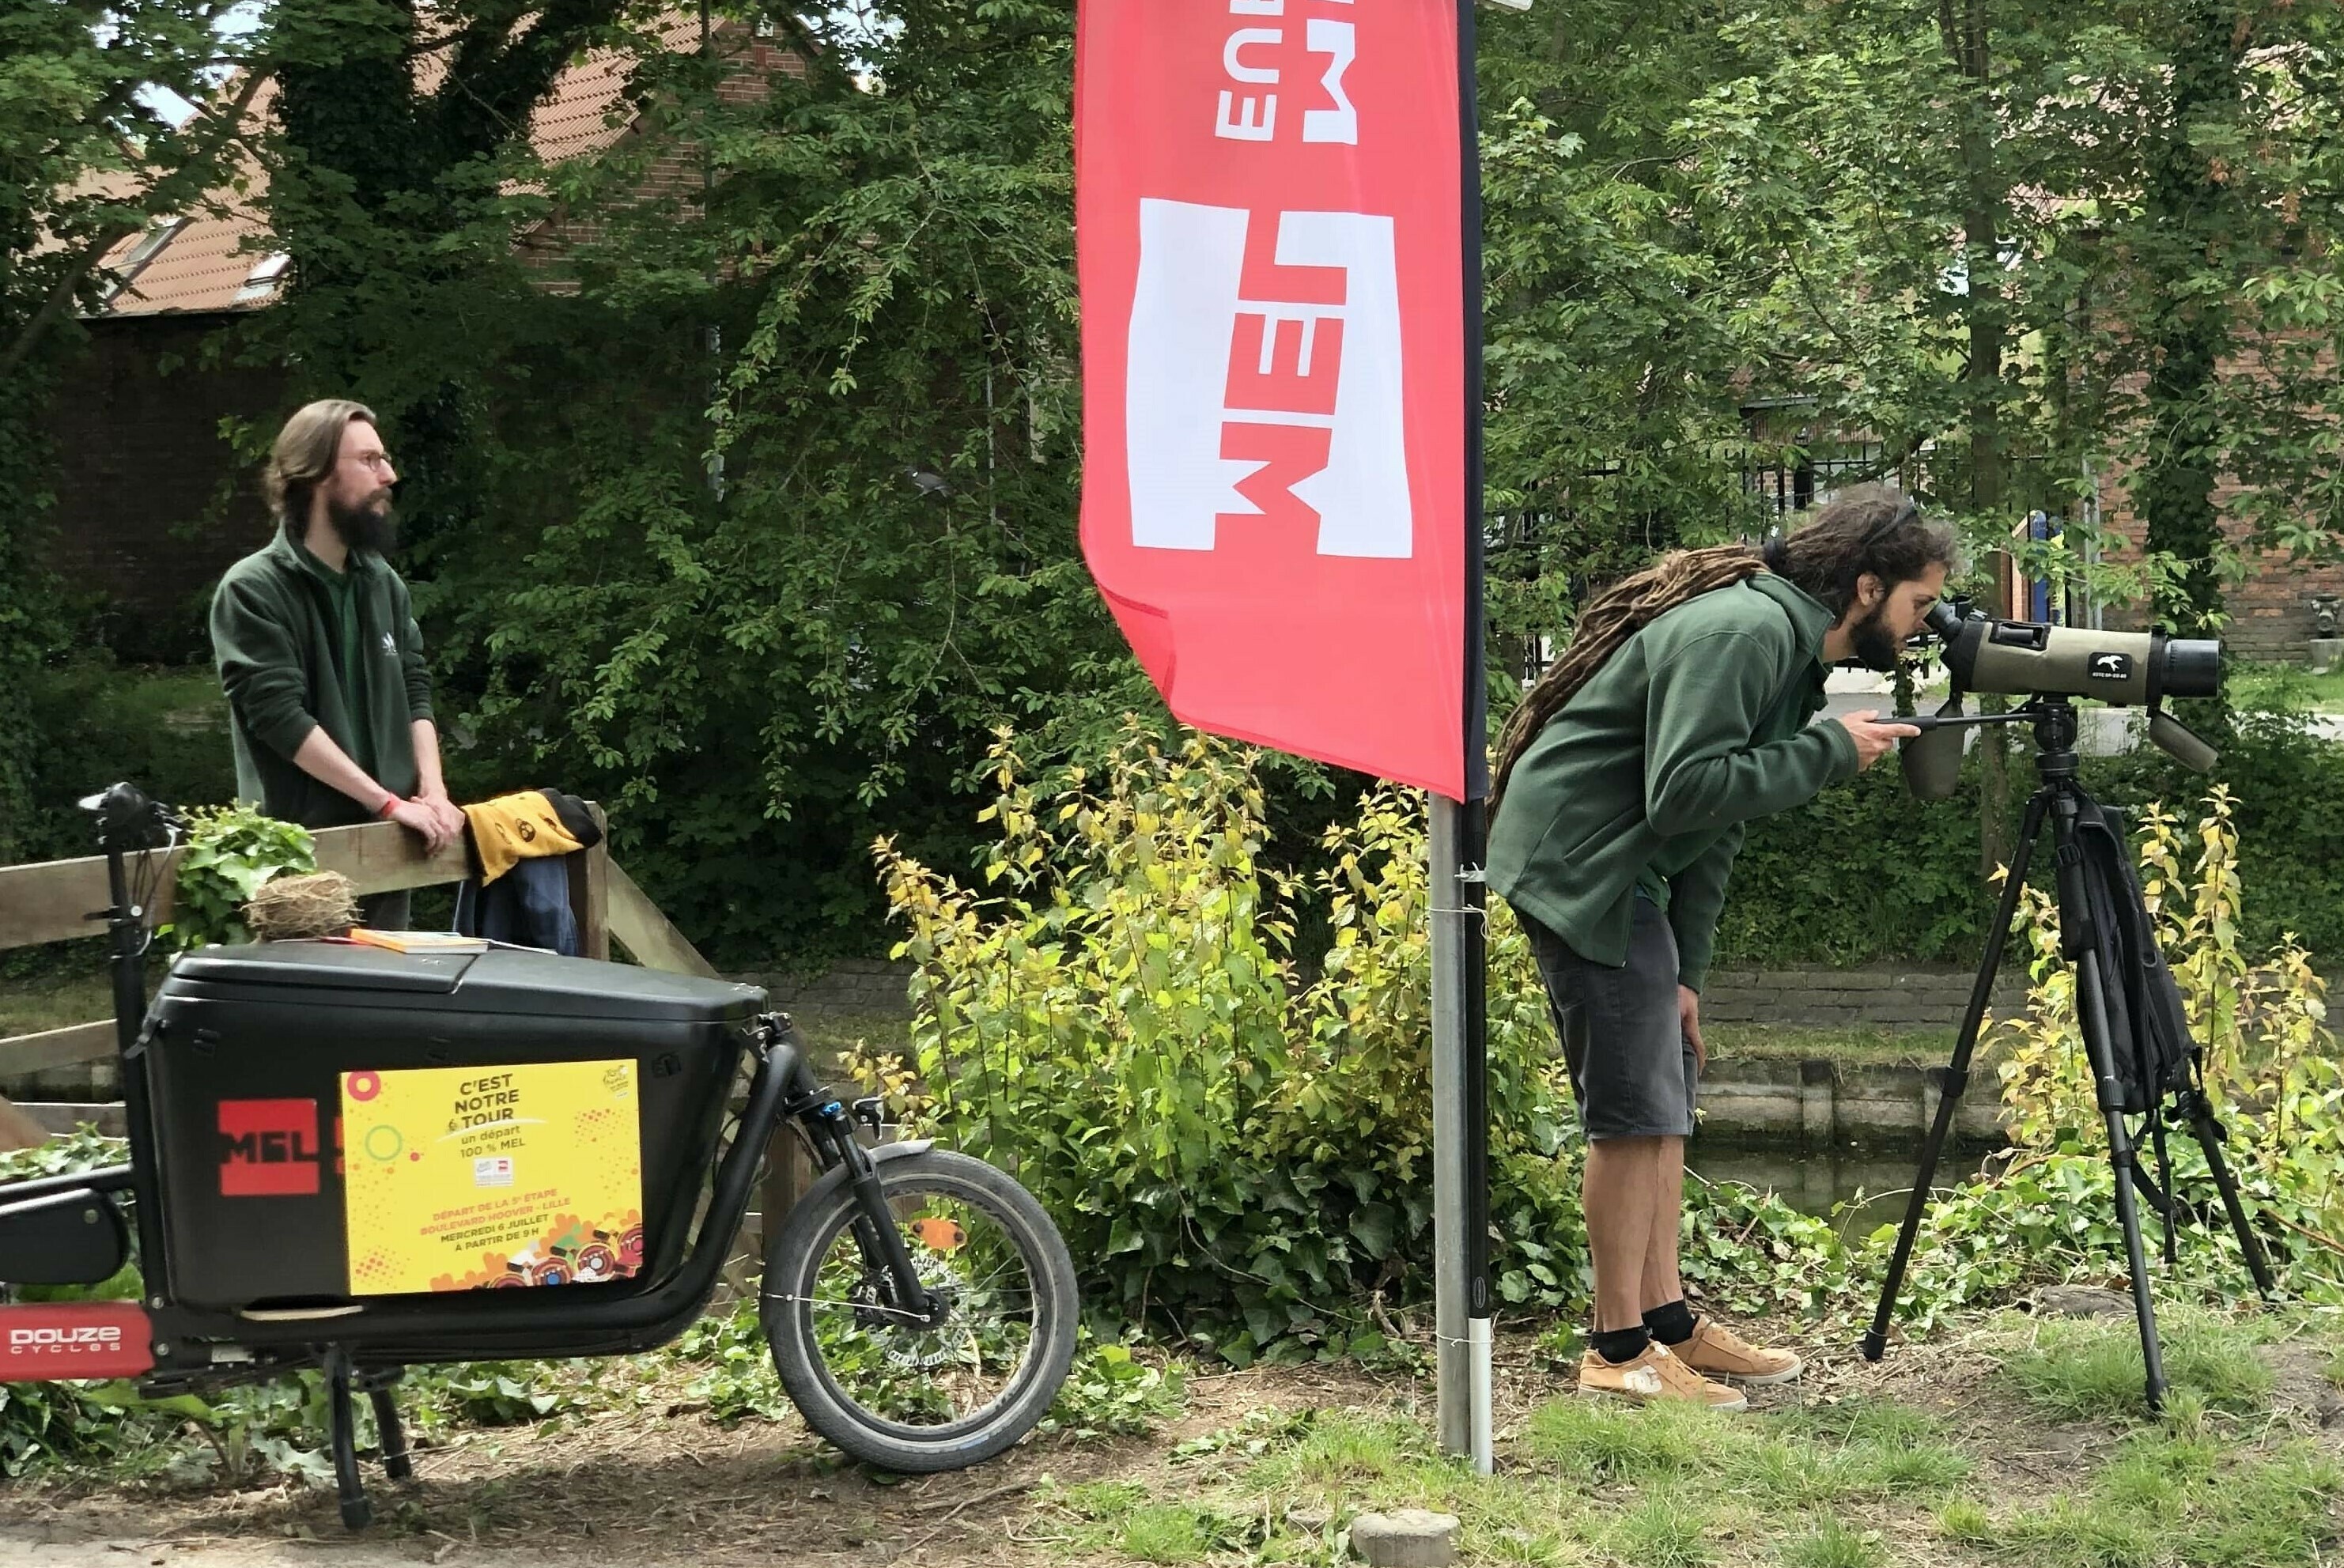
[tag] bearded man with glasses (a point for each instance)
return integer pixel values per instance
(329, 695)
(1679, 712)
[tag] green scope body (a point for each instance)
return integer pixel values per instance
(2122, 669)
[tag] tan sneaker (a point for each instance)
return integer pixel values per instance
(1717, 1351)
(1654, 1376)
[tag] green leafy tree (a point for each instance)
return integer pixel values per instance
(2231, 247)
(772, 604)
(1614, 357)
(87, 157)
(401, 176)
(91, 153)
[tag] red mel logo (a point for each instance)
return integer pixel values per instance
(268, 1147)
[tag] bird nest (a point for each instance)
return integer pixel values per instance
(321, 904)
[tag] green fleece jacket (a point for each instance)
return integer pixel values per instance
(273, 637)
(1695, 725)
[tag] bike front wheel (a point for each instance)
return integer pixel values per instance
(921, 1392)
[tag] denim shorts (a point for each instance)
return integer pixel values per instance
(1632, 1068)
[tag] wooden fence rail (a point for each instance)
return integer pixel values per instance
(60, 900)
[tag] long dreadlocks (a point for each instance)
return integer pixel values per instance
(1611, 618)
(1870, 529)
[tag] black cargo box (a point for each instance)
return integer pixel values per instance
(256, 1217)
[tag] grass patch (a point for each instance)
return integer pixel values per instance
(41, 1002)
(2182, 1499)
(1855, 1045)
(1348, 1454)
(1965, 1520)
(1597, 1442)
(1171, 1532)
(2084, 1369)
(1801, 1459)
(1883, 1448)
(1118, 1516)
(2264, 686)
(1663, 1531)
(1833, 1544)
(1103, 1501)
(2072, 1535)
(1338, 1463)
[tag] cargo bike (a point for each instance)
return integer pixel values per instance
(357, 1161)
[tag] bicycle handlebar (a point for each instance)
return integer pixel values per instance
(127, 819)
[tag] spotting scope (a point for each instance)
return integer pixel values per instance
(2122, 669)
(2057, 664)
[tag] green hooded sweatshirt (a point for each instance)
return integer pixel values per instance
(283, 647)
(1695, 725)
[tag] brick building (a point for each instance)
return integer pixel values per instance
(2271, 611)
(152, 501)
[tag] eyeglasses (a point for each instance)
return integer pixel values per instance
(378, 461)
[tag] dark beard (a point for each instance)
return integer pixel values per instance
(365, 527)
(1873, 647)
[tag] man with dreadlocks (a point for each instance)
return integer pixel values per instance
(1679, 712)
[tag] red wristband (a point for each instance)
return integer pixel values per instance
(389, 804)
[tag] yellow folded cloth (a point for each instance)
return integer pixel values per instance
(514, 827)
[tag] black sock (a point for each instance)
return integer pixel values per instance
(1618, 1345)
(1671, 1323)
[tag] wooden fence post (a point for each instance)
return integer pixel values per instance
(590, 891)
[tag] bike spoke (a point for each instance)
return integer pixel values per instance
(904, 1371)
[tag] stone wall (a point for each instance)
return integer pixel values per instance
(868, 987)
(1802, 1104)
(1821, 1105)
(1907, 997)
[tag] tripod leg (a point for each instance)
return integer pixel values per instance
(2092, 1011)
(1957, 1074)
(2166, 1200)
(2234, 1204)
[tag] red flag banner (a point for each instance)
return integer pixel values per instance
(1269, 233)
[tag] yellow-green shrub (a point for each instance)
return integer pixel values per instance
(1236, 1145)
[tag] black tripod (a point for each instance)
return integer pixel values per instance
(2062, 799)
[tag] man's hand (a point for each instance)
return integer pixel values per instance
(1873, 740)
(450, 814)
(1688, 1019)
(417, 817)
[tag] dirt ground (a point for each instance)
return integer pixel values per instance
(652, 1487)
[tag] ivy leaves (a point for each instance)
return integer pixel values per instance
(232, 852)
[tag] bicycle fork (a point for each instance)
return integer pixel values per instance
(831, 1130)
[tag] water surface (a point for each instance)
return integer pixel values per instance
(1818, 1181)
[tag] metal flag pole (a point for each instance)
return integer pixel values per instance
(1462, 1304)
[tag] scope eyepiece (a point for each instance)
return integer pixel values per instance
(1943, 619)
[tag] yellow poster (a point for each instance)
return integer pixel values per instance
(457, 1178)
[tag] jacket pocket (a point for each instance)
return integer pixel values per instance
(1608, 833)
